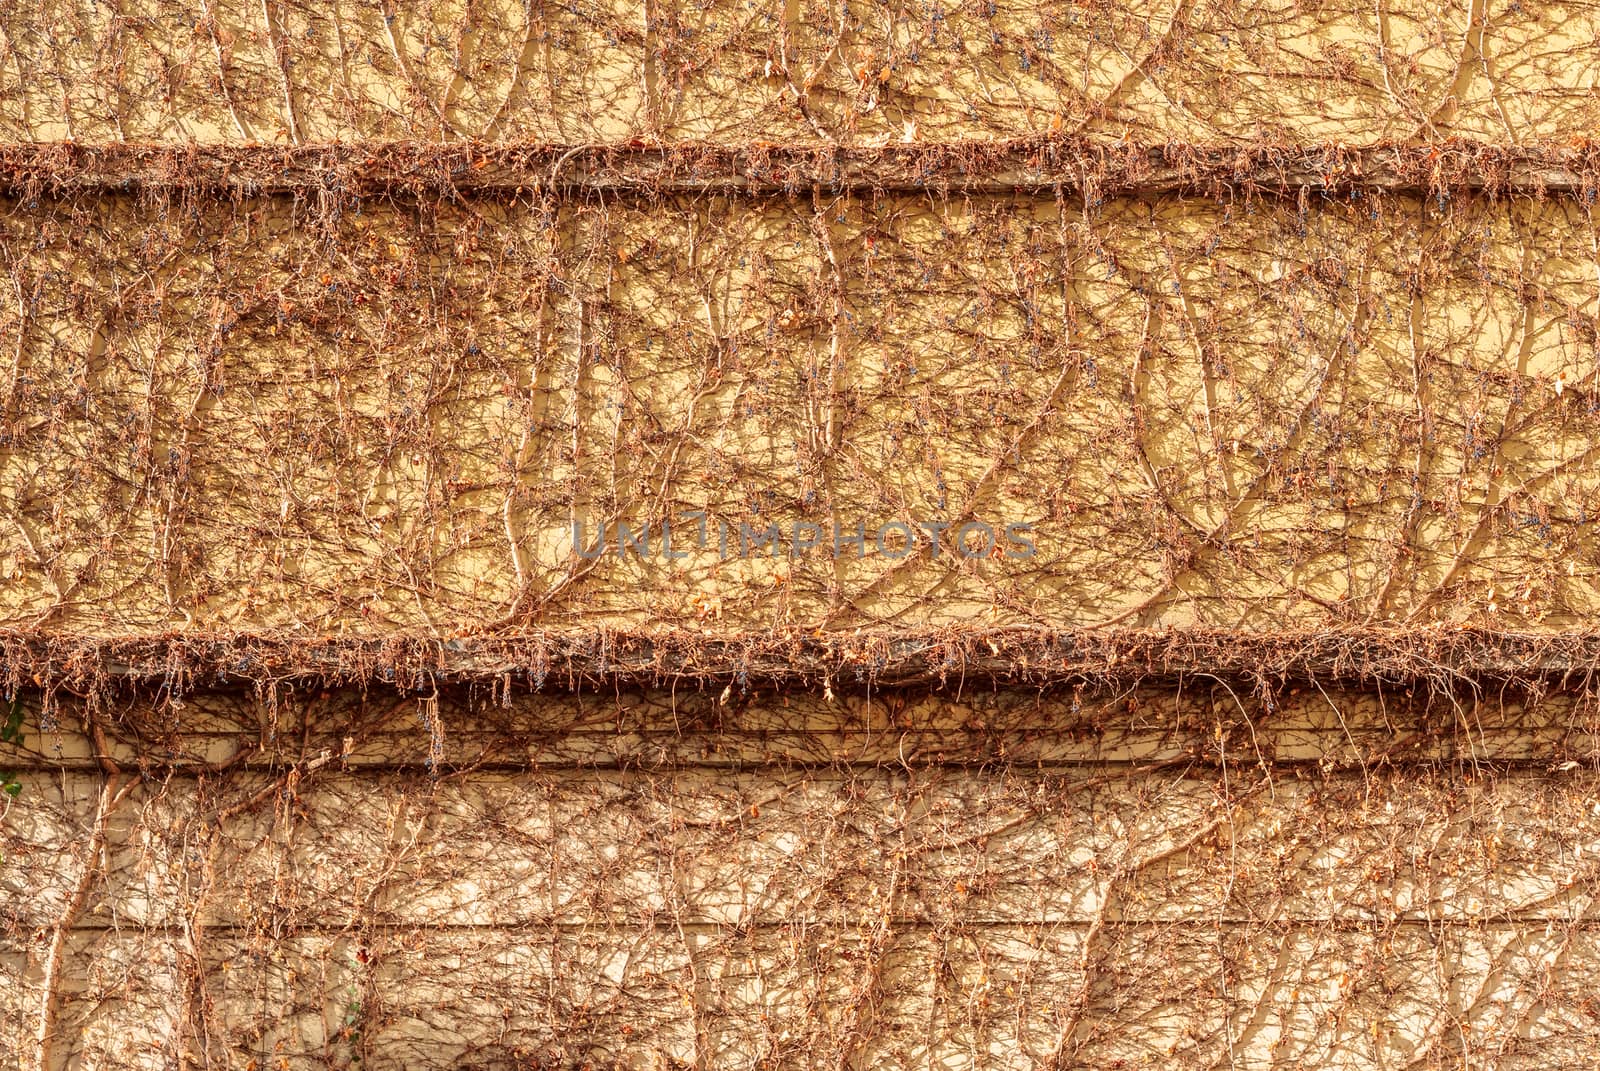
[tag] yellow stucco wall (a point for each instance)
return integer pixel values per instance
(309, 414)
(737, 72)
(1253, 412)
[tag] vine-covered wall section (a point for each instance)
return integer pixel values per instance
(341, 414)
(348, 352)
(787, 71)
(643, 879)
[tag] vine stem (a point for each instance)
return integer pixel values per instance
(111, 796)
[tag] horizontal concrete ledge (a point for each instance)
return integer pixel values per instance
(947, 659)
(1082, 167)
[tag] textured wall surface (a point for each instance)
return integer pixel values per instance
(322, 327)
(787, 70)
(1376, 409)
(1328, 879)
